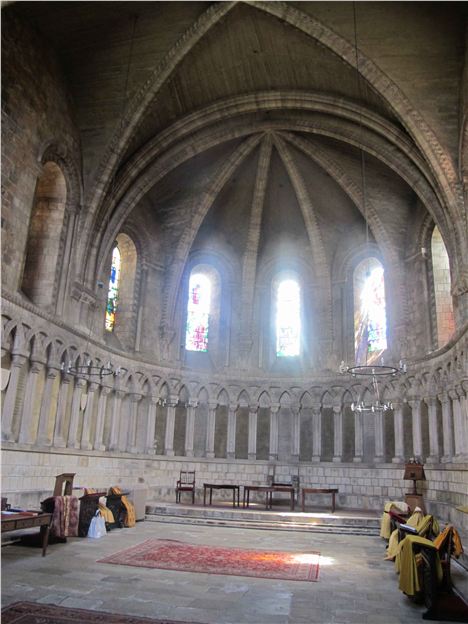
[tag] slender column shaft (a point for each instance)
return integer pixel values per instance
(231, 432)
(434, 451)
(316, 433)
(26, 434)
(447, 427)
(457, 425)
(252, 442)
(190, 428)
(273, 454)
(462, 395)
(17, 363)
(59, 433)
(43, 436)
(337, 433)
(87, 418)
(417, 427)
(210, 430)
(398, 432)
(170, 425)
(151, 427)
(100, 419)
(379, 437)
(132, 442)
(296, 432)
(115, 419)
(358, 438)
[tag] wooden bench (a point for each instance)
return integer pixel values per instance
(332, 491)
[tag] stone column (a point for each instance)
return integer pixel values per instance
(210, 429)
(398, 432)
(151, 426)
(115, 419)
(72, 441)
(337, 433)
(132, 444)
(26, 435)
(462, 398)
(59, 433)
(316, 433)
(170, 424)
(434, 451)
(231, 432)
(273, 454)
(88, 417)
(447, 427)
(457, 426)
(190, 427)
(379, 437)
(252, 443)
(295, 432)
(17, 363)
(417, 427)
(358, 438)
(100, 420)
(43, 437)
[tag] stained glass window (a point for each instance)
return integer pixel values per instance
(288, 318)
(112, 293)
(370, 321)
(198, 313)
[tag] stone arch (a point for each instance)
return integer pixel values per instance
(423, 135)
(46, 226)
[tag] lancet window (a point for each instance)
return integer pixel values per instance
(113, 291)
(198, 312)
(370, 320)
(288, 318)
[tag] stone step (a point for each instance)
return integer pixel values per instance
(271, 526)
(348, 522)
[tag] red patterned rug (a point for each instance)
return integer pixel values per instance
(33, 613)
(175, 555)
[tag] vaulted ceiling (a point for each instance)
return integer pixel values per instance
(230, 124)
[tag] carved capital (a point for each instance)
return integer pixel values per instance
(17, 361)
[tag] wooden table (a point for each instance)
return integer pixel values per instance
(269, 491)
(222, 486)
(332, 491)
(28, 520)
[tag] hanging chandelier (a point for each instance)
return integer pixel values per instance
(375, 372)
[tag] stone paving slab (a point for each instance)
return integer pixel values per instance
(355, 583)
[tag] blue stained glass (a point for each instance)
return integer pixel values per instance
(112, 293)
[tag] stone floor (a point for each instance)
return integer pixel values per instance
(355, 584)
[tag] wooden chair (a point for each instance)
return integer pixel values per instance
(64, 484)
(434, 569)
(186, 483)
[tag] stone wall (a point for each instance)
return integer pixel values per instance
(28, 477)
(37, 125)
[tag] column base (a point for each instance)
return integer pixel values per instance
(446, 459)
(336, 460)
(231, 455)
(357, 460)
(252, 455)
(76, 445)
(316, 459)
(135, 449)
(60, 443)
(210, 455)
(379, 459)
(432, 459)
(99, 447)
(398, 460)
(43, 442)
(169, 453)
(189, 453)
(150, 451)
(86, 446)
(273, 457)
